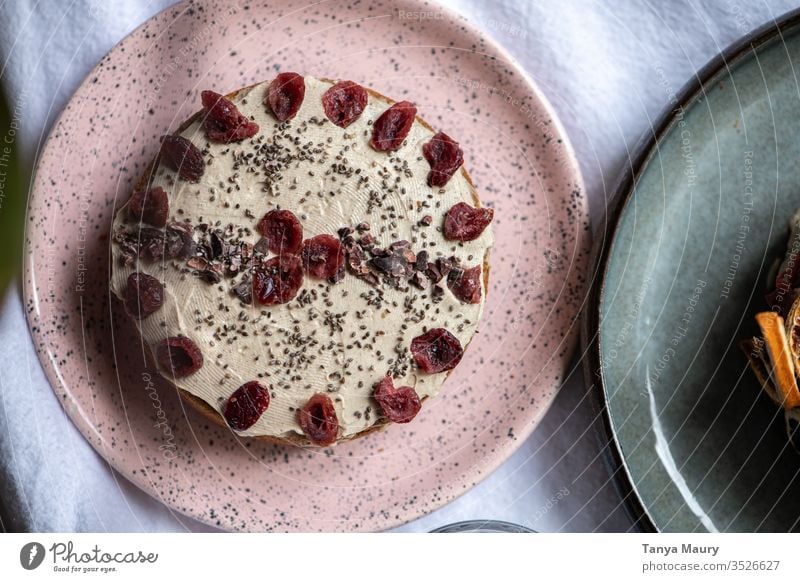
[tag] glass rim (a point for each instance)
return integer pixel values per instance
(482, 526)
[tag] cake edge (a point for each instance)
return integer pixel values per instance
(203, 407)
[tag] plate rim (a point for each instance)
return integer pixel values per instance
(571, 339)
(603, 242)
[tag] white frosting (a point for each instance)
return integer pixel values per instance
(324, 201)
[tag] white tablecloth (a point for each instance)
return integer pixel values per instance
(608, 68)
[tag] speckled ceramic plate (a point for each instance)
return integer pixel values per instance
(523, 167)
(701, 216)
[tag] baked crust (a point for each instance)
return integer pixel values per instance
(203, 407)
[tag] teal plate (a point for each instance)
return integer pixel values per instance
(699, 218)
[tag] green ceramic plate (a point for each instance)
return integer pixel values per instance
(699, 219)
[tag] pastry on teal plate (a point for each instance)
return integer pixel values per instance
(699, 221)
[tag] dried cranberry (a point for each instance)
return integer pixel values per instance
(322, 256)
(282, 230)
(466, 284)
(222, 120)
(285, 95)
(318, 420)
(182, 156)
(144, 295)
(179, 356)
(344, 102)
(392, 127)
(278, 280)
(399, 405)
(150, 206)
(246, 405)
(465, 223)
(444, 157)
(438, 350)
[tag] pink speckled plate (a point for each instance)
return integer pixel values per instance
(523, 166)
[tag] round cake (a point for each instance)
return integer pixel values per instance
(306, 259)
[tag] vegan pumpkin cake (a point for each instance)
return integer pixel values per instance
(306, 260)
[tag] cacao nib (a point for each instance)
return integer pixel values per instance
(244, 291)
